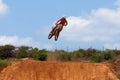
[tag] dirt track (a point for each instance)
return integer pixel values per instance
(36, 70)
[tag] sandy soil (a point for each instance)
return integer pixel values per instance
(37, 70)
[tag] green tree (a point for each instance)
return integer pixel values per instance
(41, 55)
(32, 52)
(22, 52)
(6, 51)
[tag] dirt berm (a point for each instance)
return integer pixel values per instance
(37, 70)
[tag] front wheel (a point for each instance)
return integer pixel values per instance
(50, 36)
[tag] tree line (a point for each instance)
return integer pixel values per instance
(10, 51)
(94, 55)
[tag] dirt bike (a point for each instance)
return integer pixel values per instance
(55, 32)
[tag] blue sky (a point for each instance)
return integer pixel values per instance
(92, 23)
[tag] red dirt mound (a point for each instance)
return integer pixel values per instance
(37, 70)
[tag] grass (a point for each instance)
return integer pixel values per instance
(4, 63)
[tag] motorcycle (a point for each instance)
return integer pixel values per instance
(55, 32)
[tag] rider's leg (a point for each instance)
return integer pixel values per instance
(53, 28)
(58, 33)
(60, 27)
(56, 37)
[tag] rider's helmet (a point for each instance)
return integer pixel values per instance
(64, 17)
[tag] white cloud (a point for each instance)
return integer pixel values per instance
(15, 40)
(75, 29)
(3, 7)
(101, 25)
(27, 41)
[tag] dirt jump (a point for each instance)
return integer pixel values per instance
(38, 70)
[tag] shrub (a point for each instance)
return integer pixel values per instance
(78, 54)
(108, 55)
(65, 56)
(103, 56)
(98, 57)
(41, 55)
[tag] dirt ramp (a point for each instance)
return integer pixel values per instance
(36, 70)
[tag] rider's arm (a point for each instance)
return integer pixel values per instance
(58, 21)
